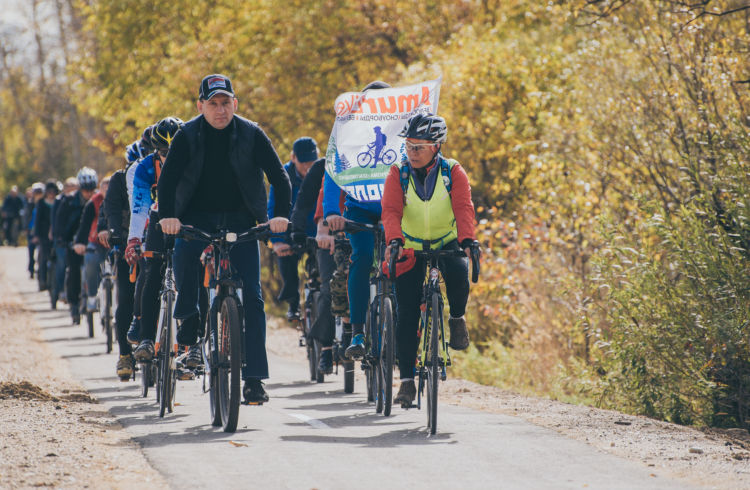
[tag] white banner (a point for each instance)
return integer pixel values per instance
(364, 142)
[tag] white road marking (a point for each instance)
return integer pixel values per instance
(318, 424)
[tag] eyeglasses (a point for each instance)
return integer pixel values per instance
(418, 147)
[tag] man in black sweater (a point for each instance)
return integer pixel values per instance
(213, 179)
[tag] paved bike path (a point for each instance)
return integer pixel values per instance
(315, 436)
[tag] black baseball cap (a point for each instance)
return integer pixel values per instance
(306, 149)
(215, 84)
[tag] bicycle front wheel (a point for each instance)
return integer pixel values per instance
(230, 363)
(433, 370)
(107, 315)
(386, 356)
(167, 371)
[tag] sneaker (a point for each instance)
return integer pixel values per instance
(125, 366)
(91, 304)
(292, 314)
(145, 351)
(325, 364)
(134, 335)
(194, 357)
(406, 393)
(459, 333)
(254, 392)
(76, 317)
(184, 374)
(356, 349)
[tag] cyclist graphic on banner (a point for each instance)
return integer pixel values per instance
(359, 155)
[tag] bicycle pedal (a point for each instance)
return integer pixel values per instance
(252, 403)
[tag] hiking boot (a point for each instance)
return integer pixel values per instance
(325, 364)
(125, 366)
(292, 314)
(134, 335)
(406, 393)
(459, 333)
(254, 392)
(194, 357)
(145, 351)
(356, 349)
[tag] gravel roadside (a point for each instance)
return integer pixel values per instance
(54, 434)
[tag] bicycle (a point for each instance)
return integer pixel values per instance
(434, 356)
(364, 159)
(311, 296)
(380, 324)
(223, 347)
(106, 295)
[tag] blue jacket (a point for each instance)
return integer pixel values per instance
(142, 191)
(296, 181)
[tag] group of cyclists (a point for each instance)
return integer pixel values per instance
(208, 173)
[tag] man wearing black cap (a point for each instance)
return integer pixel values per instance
(304, 154)
(213, 178)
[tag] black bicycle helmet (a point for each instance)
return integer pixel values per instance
(145, 142)
(425, 127)
(163, 132)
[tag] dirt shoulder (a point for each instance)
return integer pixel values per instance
(54, 434)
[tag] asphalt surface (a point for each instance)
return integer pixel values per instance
(314, 436)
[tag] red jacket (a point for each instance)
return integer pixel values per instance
(97, 199)
(393, 204)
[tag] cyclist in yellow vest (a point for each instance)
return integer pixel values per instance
(427, 198)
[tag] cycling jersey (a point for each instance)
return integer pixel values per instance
(142, 178)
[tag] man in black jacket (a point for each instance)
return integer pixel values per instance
(11, 213)
(67, 221)
(41, 231)
(212, 179)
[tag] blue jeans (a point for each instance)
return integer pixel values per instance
(245, 258)
(92, 264)
(363, 252)
(290, 277)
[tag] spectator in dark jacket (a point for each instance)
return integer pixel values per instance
(11, 214)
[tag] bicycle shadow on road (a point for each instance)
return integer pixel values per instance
(204, 434)
(396, 438)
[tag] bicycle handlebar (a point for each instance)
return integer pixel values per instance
(259, 232)
(474, 256)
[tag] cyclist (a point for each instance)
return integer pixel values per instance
(213, 179)
(117, 215)
(87, 245)
(304, 154)
(29, 215)
(363, 249)
(143, 218)
(70, 186)
(11, 213)
(427, 199)
(144, 148)
(41, 230)
(309, 198)
(66, 224)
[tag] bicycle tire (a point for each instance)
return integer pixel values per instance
(433, 369)
(145, 378)
(90, 323)
(230, 363)
(386, 356)
(369, 378)
(317, 347)
(347, 365)
(364, 159)
(376, 334)
(213, 387)
(107, 315)
(389, 156)
(167, 372)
